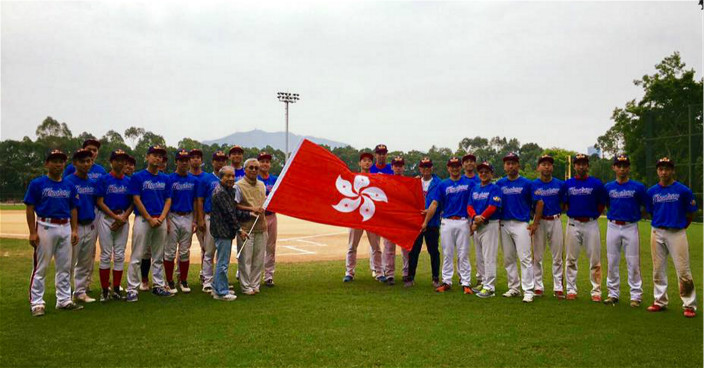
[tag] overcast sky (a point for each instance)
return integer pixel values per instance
(408, 74)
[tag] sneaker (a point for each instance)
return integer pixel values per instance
(485, 293)
(571, 296)
(38, 311)
(201, 278)
(117, 294)
(105, 295)
(348, 278)
(436, 283)
(408, 283)
(596, 298)
(690, 312)
(228, 298)
(184, 287)
(160, 291)
(656, 308)
(207, 288)
(171, 287)
(559, 294)
(381, 279)
(477, 288)
(71, 306)
(131, 296)
(144, 286)
(635, 303)
(84, 298)
(512, 293)
(269, 283)
(373, 274)
(527, 298)
(538, 293)
(256, 291)
(443, 288)
(249, 292)
(467, 290)
(390, 281)
(610, 301)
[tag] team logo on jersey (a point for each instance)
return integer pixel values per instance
(360, 193)
(497, 199)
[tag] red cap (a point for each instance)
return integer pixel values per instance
(469, 156)
(196, 152)
(381, 148)
(547, 158)
(367, 155)
(219, 155)
(264, 156)
(426, 162)
(398, 161)
(236, 148)
(511, 156)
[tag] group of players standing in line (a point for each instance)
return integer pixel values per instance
(469, 205)
(78, 204)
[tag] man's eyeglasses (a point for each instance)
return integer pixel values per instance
(252, 167)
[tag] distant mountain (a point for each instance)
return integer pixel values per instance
(260, 138)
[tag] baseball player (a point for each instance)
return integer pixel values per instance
(151, 194)
(380, 152)
(516, 231)
(96, 171)
(389, 253)
(146, 263)
(83, 253)
(484, 208)
(115, 204)
(547, 199)
(196, 169)
(52, 233)
(181, 222)
(585, 199)
(625, 199)
(270, 255)
(429, 182)
(236, 157)
(451, 199)
(130, 165)
(469, 164)
(205, 192)
(355, 235)
(672, 205)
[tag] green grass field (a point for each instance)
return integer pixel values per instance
(11, 206)
(312, 319)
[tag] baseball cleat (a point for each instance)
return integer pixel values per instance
(207, 288)
(348, 278)
(131, 296)
(84, 298)
(527, 298)
(635, 303)
(160, 291)
(228, 298)
(512, 293)
(538, 293)
(105, 295)
(436, 283)
(477, 288)
(596, 298)
(610, 301)
(559, 294)
(485, 293)
(656, 308)
(184, 287)
(381, 279)
(269, 283)
(390, 281)
(71, 306)
(443, 288)
(171, 287)
(38, 311)
(571, 296)
(117, 293)
(144, 286)
(690, 312)
(249, 292)
(467, 290)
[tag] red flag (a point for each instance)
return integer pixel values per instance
(317, 186)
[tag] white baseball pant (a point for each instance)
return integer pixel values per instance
(389, 259)
(454, 234)
(626, 238)
(486, 239)
(54, 241)
(673, 242)
(515, 242)
(179, 238)
(112, 243)
(145, 237)
(270, 256)
(587, 235)
(83, 257)
(479, 260)
(548, 232)
(355, 235)
(208, 246)
(200, 235)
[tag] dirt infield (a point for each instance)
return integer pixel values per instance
(298, 240)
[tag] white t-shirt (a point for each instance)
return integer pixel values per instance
(426, 185)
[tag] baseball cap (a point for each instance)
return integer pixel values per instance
(91, 142)
(367, 155)
(131, 160)
(426, 162)
(56, 153)
(622, 159)
(547, 158)
(236, 148)
(665, 161)
(581, 157)
(511, 156)
(219, 155)
(381, 148)
(398, 161)
(117, 154)
(158, 150)
(454, 161)
(196, 152)
(264, 156)
(469, 156)
(81, 153)
(485, 164)
(182, 154)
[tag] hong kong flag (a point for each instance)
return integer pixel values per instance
(317, 186)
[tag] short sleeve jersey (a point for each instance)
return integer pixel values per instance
(239, 174)
(452, 197)
(95, 172)
(551, 193)
(115, 192)
(625, 200)
(206, 186)
(670, 205)
(52, 199)
(87, 190)
(482, 197)
(474, 179)
(152, 189)
(584, 196)
(183, 192)
(385, 170)
(516, 197)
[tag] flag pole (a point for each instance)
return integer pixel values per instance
(248, 237)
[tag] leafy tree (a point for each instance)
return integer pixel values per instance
(134, 134)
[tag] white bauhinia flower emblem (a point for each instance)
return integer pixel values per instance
(358, 194)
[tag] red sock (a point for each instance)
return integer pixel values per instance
(169, 270)
(104, 278)
(116, 278)
(184, 269)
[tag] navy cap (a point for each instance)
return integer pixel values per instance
(264, 156)
(426, 162)
(159, 150)
(485, 164)
(622, 159)
(56, 153)
(381, 148)
(81, 153)
(235, 149)
(182, 154)
(219, 155)
(511, 156)
(469, 156)
(367, 155)
(665, 161)
(581, 157)
(454, 161)
(398, 161)
(131, 160)
(118, 153)
(91, 142)
(547, 158)
(196, 152)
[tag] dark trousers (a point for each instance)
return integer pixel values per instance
(432, 236)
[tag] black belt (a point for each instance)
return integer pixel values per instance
(182, 213)
(85, 222)
(583, 219)
(552, 217)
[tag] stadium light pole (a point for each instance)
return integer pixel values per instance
(287, 98)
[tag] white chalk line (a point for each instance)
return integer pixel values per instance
(312, 243)
(303, 251)
(313, 236)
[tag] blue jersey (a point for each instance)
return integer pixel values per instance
(385, 170)
(95, 172)
(239, 174)
(482, 197)
(429, 195)
(669, 205)
(268, 182)
(205, 190)
(87, 190)
(452, 197)
(625, 200)
(474, 179)
(52, 199)
(584, 196)
(551, 193)
(115, 192)
(183, 192)
(517, 198)
(153, 190)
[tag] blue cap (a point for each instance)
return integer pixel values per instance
(159, 150)
(182, 154)
(56, 153)
(511, 156)
(665, 161)
(81, 153)
(622, 159)
(117, 154)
